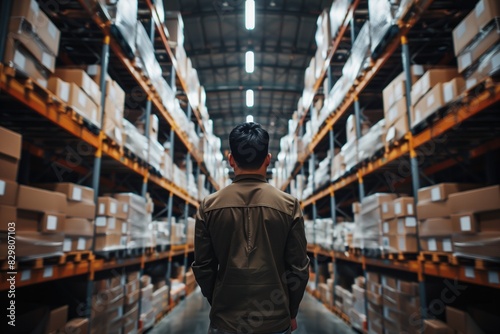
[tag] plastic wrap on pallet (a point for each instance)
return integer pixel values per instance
(350, 153)
(161, 232)
(342, 236)
(338, 13)
(482, 245)
(135, 206)
(360, 55)
(156, 152)
(337, 167)
(146, 53)
(372, 141)
(134, 141)
(338, 93)
(323, 33)
(124, 17)
(381, 20)
(193, 88)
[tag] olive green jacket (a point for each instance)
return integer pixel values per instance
(250, 256)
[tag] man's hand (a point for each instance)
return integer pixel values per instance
(293, 324)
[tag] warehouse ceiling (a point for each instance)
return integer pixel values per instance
(283, 42)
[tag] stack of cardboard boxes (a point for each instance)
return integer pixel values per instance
(178, 236)
(79, 223)
(357, 315)
(395, 108)
(343, 299)
(160, 298)
(434, 215)
(476, 42)
(374, 297)
(33, 41)
(137, 212)
(107, 306)
(400, 227)
(147, 316)
(401, 305)
(110, 228)
(367, 232)
(131, 303)
(458, 321)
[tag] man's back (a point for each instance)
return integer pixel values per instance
(251, 260)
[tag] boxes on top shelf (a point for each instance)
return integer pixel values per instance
(396, 90)
(124, 18)
(477, 200)
(464, 32)
(175, 27)
(323, 33)
(359, 56)
(74, 192)
(453, 89)
(338, 12)
(485, 11)
(113, 111)
(25, 62)
(470, 222)
(429, 80)
(82, 80)
(60, 88)
(41, 25)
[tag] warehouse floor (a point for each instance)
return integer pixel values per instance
(191, 317)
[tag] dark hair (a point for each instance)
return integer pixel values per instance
(249, 144)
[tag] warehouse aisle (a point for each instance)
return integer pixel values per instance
(191, 317)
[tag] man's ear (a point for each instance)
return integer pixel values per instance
(268, 159)
(230, 158)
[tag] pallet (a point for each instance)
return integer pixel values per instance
(437, 257)
(115, 253)
(385, 41)
(79, 256)
(39, 262)
(399, 256)
(121, 41)
(368, 252)
(477, 263)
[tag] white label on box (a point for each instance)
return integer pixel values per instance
(25, 275)
(34, 7)
(402, 243)
(100, 221)
(479, 8)
(19, 59)
(493, 277)
(125, 208)
(112, 208)
(42, 82)
(102, 208)
(94, 115)
(465, 223)
(409, 208)
(385, 241)
(448, 92)
(470, 82)
(124, 227)
(82, 100)
(111, 223)
(123, 241)
(81, 244)
(77, 194)
(2, 187)
(386, 227)
(397, 208)
(436, 194)
(418, 70)
(495, 61)
(401, 227)
(386, 313)
(465, 60)
(385, 208)
(462, 27)
(67, 245)
(430, 100)
(46, 60)
(51, 223)
(52, 30)
(410, 222)
(446, 245)
(469, 272)
(64, 92)
(431, 243)
(48, 271)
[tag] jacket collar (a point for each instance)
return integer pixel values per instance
(250, 176)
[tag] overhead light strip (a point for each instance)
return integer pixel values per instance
(249, 61)
(250, 14)
(249, 98)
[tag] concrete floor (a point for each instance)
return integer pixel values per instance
(191, 317)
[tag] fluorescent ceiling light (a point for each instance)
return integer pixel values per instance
(249, 61)
(249, 119)
(249, 98)
(250, 14)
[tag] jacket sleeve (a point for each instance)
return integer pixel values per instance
(297, 261)
(205, 265)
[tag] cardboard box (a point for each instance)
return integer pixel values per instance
(390, 227)
(59, 87)
(108, 241)
(45, 222)
(398, 130)
(436, 244)
(374, 298)
(479, 47)
(10, 153)
(33, 244)
(83, 105)
(7, 214)
(429, 80)
(73, 192)
(350, 128)
(435, 326)
(404, 207)
(79, 227)
(40, 200)
(372, 277)
(20, 30)
(77, 244)
(397, 86)
(131, 287)
(133, 276)
(388, 96)
(428, 104)
(453, 89)
(485, 11)
(441, 192)
(400, 243)
(464, 32)
(109, 224)
(107, 206)
(426, 210)
(81, 79)
(435, 227)
(479, 245)
(397, 111)
(8, 192)
(478, 200)
(57, 319)
(387, 210)
(407, 226)
(42, 25)
(80, 210)
(25, 62)
(461, 321)
(77, 326)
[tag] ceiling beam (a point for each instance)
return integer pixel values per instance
(224, 50)
(233, 88)
(232, 12)
(257, 66)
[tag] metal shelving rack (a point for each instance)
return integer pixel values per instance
(54, 114)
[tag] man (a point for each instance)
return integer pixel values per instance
(250, 247)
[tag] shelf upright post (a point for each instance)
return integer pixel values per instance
(312, 171)
(186, 208)
(148, 115)
(415, 173)
(6, 6)
(170, 208)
